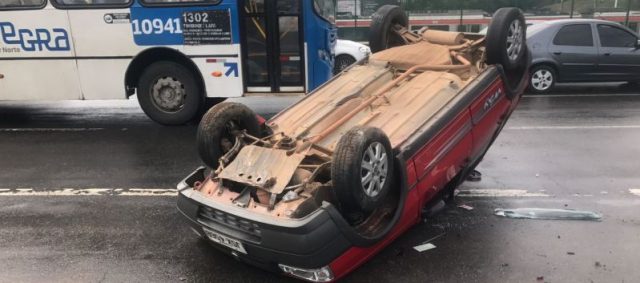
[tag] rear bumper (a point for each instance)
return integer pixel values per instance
(311, 242)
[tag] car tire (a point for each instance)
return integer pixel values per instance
(542, 79)
(169, 93)
(362, 170)
(215, 132)
(342, 62)
(506, 39)
(381, 34)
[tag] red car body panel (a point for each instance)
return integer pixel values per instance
(437, 163)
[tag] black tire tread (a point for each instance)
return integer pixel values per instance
(381, 22)
(342, 57)
(212, 124)
(195, 97)
(345, 170)
(496, 38)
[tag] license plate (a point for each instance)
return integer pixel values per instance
(224, 240)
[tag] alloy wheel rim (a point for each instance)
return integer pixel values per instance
(542, 80)
(515, 40)
(168, 94)
(374, 168)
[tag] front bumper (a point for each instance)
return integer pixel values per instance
(310, 242)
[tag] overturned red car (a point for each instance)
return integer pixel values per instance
(327, 183)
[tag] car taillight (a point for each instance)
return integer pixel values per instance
(323, 274)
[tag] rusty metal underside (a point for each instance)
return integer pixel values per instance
(397, 90)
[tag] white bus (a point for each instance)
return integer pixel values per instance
(174, 54)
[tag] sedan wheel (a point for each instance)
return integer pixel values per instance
(542, 79)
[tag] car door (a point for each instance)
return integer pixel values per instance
(619, 57)
(574, 50)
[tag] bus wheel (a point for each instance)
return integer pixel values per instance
(169, 94)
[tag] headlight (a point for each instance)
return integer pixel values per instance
(365, 49)
(323, 274)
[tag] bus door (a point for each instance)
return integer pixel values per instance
(273, 46)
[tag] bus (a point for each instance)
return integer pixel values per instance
(176, 55)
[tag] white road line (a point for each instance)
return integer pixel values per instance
(89, 192)
(635, 192)
(574, 127)
(50, 129)
(498, 193)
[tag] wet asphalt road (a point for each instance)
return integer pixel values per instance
(581, 151)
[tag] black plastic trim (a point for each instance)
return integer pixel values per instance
(314, 243)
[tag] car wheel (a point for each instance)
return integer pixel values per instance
(381, 34)
(218, 128)
(342, 62)
(542, 79)
(362, 169)
(506, 39)
(169, 94)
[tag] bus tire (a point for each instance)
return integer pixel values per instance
(506, 39)
(169, 93)
(381, 34)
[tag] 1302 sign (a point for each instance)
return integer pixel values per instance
(156, 26)
(195, 17)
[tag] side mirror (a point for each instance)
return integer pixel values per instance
(637, 44)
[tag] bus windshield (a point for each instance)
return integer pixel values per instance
(326, 9)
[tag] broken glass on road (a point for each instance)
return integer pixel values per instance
(547, 214)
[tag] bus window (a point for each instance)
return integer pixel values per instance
(256, 44)
(91, 2)
(290, 57)
(273, 49)
(169, 2)
(326, 9)
(21, 3)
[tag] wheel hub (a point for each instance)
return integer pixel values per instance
(515, 40)
(374, 169)
(541, 80)
(168, 94)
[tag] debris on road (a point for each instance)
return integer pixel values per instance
(465, 207)
(427, 245)
(571, 253)
(424, 247)
(547, 214)
(474, 176)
